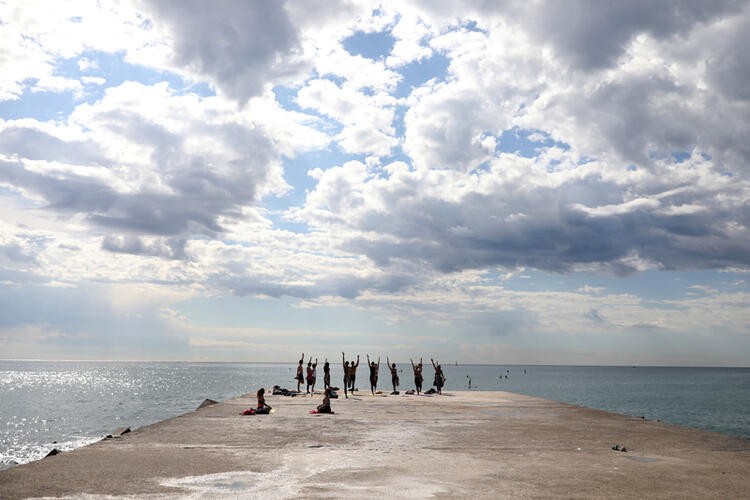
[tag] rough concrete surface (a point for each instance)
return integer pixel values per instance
(461, 444)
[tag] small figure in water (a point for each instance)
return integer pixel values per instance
(299, 377)
(326, 375)
(417, 374)
(439, 381)
(374, 369)
(346, 374)
(353, 374)
(394, 375)
(262, 406)
(469, 377)
(325, 406)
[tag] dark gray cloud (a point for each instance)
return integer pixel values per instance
(142, 212)
(728, 68)
(638, 115)
(558, 229)
(240, 46)
(17, 253)
(595, 316)
(34, 144)
(170, 248)
(592, 34)
(335, 285)
(194, 192)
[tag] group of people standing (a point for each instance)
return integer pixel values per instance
(309, 375)
(438, 381)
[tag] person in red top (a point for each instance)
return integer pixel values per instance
(310, 376)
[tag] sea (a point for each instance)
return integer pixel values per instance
(69, 404)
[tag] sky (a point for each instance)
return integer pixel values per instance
(521, 182)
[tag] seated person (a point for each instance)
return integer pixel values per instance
(262, 406)
(325, 407)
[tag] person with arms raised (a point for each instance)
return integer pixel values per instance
(374, 369)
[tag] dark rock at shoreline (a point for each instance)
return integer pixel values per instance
(206, 402)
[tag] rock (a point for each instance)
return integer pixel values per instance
(52, 452)
(206, 402)
(117, 433)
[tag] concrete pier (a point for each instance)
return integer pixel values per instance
(461, 444)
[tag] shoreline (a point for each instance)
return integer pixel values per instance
(465, 443)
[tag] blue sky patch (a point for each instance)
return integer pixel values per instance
(417, 73)
(526, 143)
(377, 45)
(42, 106)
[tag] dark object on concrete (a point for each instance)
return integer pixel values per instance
(282, 391)
(52, 452)
(117, 432)
(207, 402)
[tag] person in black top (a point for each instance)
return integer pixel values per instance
(374, 369)
(417, 374)
(345, 364)
(394, 374)
(439, 380)
(326, 375)
(300, 377)
(353, 374)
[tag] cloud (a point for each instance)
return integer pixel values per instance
(32, 140)
(593, 35)
(595, 316)
(150, 163)
(88, 321)
(240, 47)
(729, 68)
(516, 213)
(561, 138)
(367, 120)
(36, 36)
